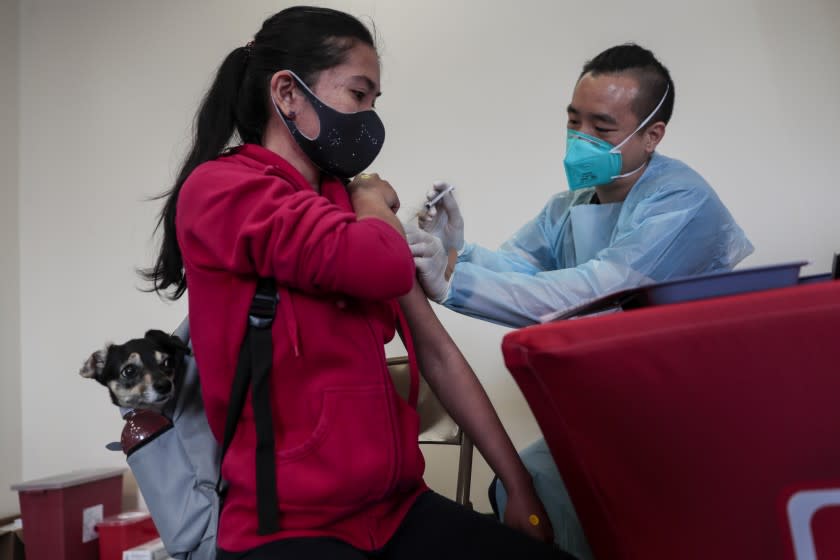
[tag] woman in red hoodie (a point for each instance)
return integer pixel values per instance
(347, 465)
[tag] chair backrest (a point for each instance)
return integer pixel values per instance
(436, 425)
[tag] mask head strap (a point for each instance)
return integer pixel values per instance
(644, 122)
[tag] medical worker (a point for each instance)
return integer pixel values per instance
(631, 216)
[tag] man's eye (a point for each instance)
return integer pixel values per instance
(604, 130)
(128, 371)
(359, 95)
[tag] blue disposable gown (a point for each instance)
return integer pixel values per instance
(672, 224)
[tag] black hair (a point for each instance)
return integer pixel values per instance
(652, 76)
(303, 39)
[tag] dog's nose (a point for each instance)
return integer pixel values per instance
(164, 386)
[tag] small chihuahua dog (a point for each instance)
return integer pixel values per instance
(140, 373)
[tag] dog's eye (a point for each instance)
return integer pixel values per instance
(167, 363)
(128, 371)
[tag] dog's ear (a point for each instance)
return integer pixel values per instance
(180, 345)
(169, 342)
(93, 366)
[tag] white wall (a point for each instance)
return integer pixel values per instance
(473, 94)
(10, 410)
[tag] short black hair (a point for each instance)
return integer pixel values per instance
(652, 76)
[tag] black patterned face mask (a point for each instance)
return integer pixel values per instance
(347, 143)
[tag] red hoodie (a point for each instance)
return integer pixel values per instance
(348, 462)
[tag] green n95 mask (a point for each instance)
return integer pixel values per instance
(590, 161)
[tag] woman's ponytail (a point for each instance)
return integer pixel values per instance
(213, 128)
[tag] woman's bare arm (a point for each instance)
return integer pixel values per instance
(459, 390)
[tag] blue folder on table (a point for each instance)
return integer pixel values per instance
(692, 288)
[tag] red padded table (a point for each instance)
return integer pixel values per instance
(683, 431)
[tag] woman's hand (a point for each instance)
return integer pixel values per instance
(367, 188)
(525, 512)
(373, 197)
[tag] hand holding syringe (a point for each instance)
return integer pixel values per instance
(441, 216)
(432, 202)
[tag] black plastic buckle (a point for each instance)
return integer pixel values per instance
(262, 311)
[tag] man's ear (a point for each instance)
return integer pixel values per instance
(284, 90)
(653, 136)
(94, 365)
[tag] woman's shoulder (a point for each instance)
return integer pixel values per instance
(234, 171)
(231, 163)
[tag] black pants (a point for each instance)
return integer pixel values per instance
(435, 528)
